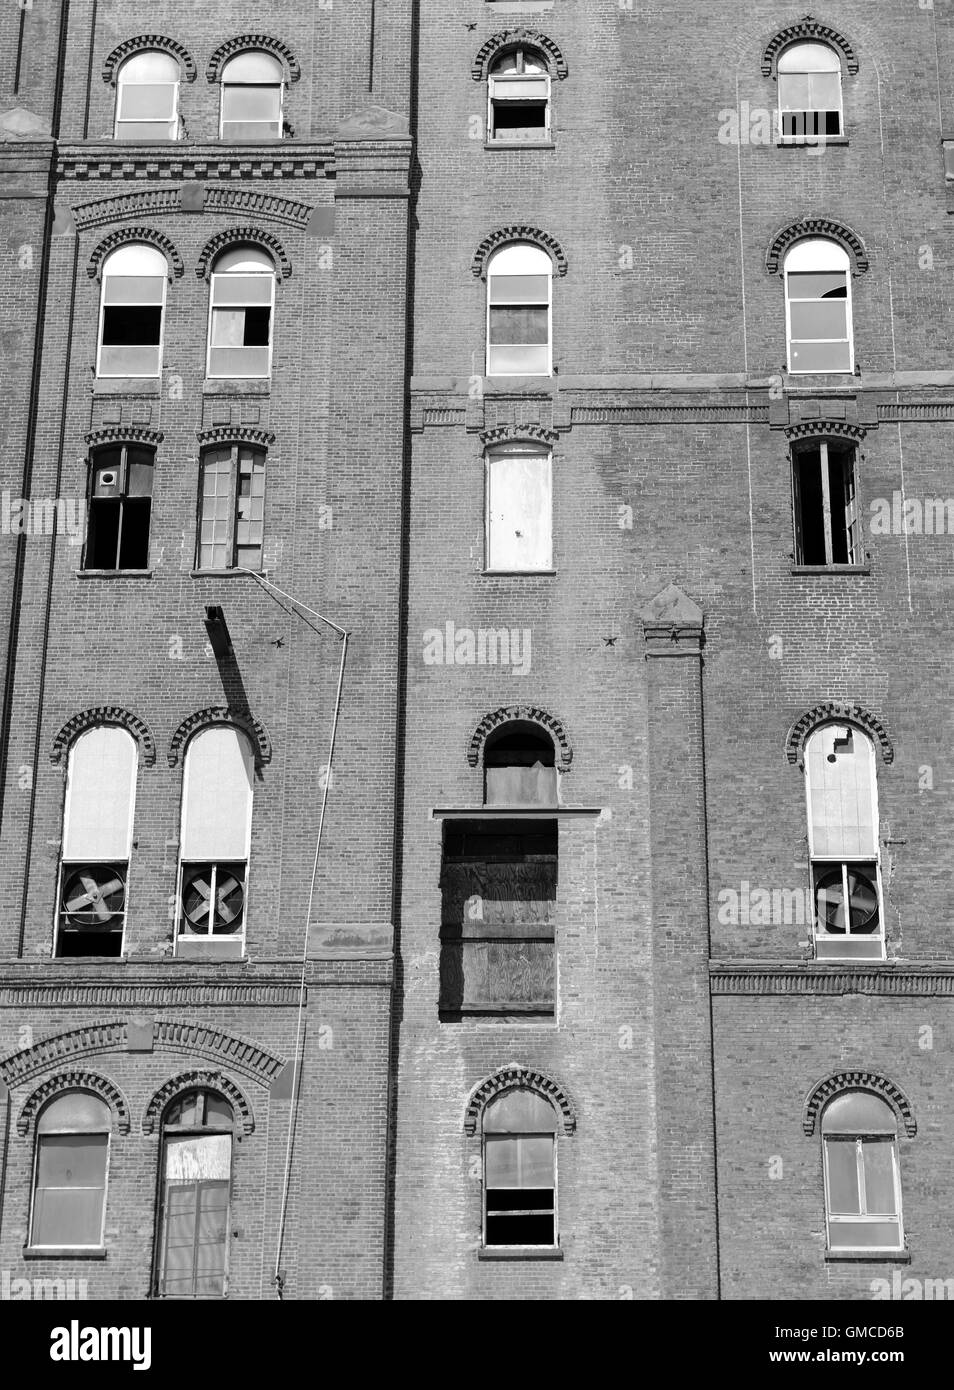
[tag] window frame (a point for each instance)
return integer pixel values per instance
(799, 449)
(174, 121)
(261, 457)
(553, 1135)
(37, 1138)
(799, 252)
(510, 245)
(859, 1138)
(124, 446)
(821, 863)
(546, 83)
(517, 449)
(808, 137)
(160, 346)
(221, 275)
(282, 84)
(193, 1131)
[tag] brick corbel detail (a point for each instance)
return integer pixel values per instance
(222, 714)
(146, 43)
(862, 1080)
(246, 43)
(243, 236)
(827, 429)
(505, 236)
(505, 434)
(809, 29)
(825, 228)
(199, 1080)
(507, 39)
(104, 714)
(528, 714)
(836, 712)
(74, 1081)
(126, 235)
(673, 626)
(510, 1078)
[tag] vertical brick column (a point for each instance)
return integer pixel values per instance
(672, 627)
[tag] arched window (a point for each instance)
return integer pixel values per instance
(519, 97)
(120, 507)
(518, 311)
(147, 98)
(843, 843)
(253, 86)
(520, 1206)
(240, 314)
(520, 767)
(133, 298)
(193, 1245)
(214, 838)
(827, 529)
(97, 837)
(69, 1182)
(519, 497)
(809, 91)
(862, 1177)
(231, 508)
(818, 307)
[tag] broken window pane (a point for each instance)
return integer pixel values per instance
(826, 522)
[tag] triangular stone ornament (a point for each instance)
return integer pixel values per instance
(671, 606)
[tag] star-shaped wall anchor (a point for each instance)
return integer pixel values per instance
(610, 641)
(471, 27)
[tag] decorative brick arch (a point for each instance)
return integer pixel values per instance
(124, 434)
(509, 1078)
(147, 43)
(244, 43)
(222, 714)
(243, 236)
(504, 434)
(123, 236)
(61, 1048)
(504, 236)
(808, 28)
(234, 434)
(526, 714)
(113, 715)
(78, 1080)
(199, 1080)
(498, 44)
(829, 429)
(199, 1040)
(826, 228)
(836, 712)
(830, 1086)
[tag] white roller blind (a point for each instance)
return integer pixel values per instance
(100, 796)
(217, 796)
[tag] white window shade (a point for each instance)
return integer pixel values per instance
(217, 796)
(518, 311)
(519, 510)
(100, 796)
(843, 822)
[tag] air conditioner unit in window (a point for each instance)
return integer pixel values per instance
(93, 898)
(213, 899)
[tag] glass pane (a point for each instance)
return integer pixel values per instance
(68, 1216)
(238, 361)
(149, 67)
(71, 1160)
(250, 130)
(536, 1161)
(519, 361)
(880, 1197)
(218, 1112)
(843, 1194)
(179, 1213)
(822, 318)
(251, 103)
(817, 285)
(858, 1112)
(126, 360)
(255, 66)
(520, 1112)
(520, 289)
(141, 472)
(502, 1162)
(864, 1235)
(74, 1111)
(146, 130)
(518, 326)
(146, 102)
(825, 91)
(241, 289)
(534, 89)
(793, 91)
(820, 357)
(133, 289)
(212, 1237)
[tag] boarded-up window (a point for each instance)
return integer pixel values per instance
(519, 767)
(196, 1188)
(69, 1194)
(498, 894)
(216, 823)
(862, 1178)
(520, 1170)
(519, 509)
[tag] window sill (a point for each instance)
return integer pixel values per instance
(64, 1252)
(833, 570)
(519, 145)
(809, 141)
(521, 812)
(893, 1257)
(113, 574)
(127, 386)
(236, 386)
(231, 573)
(519, 1252)
(514, 574)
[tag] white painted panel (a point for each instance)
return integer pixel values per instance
(100, 796)
(841, 793)
(199, 1159)
(217, 795)
(519, 512)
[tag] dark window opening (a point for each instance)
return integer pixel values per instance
(519, 768)
(826, 519)
(796, 124)
(256, 332)
(120, 509)
(92, 910)
(498, 897)
(517, 120)
(136, 325)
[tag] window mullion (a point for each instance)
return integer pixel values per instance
(862, 1193)
(826, 501)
